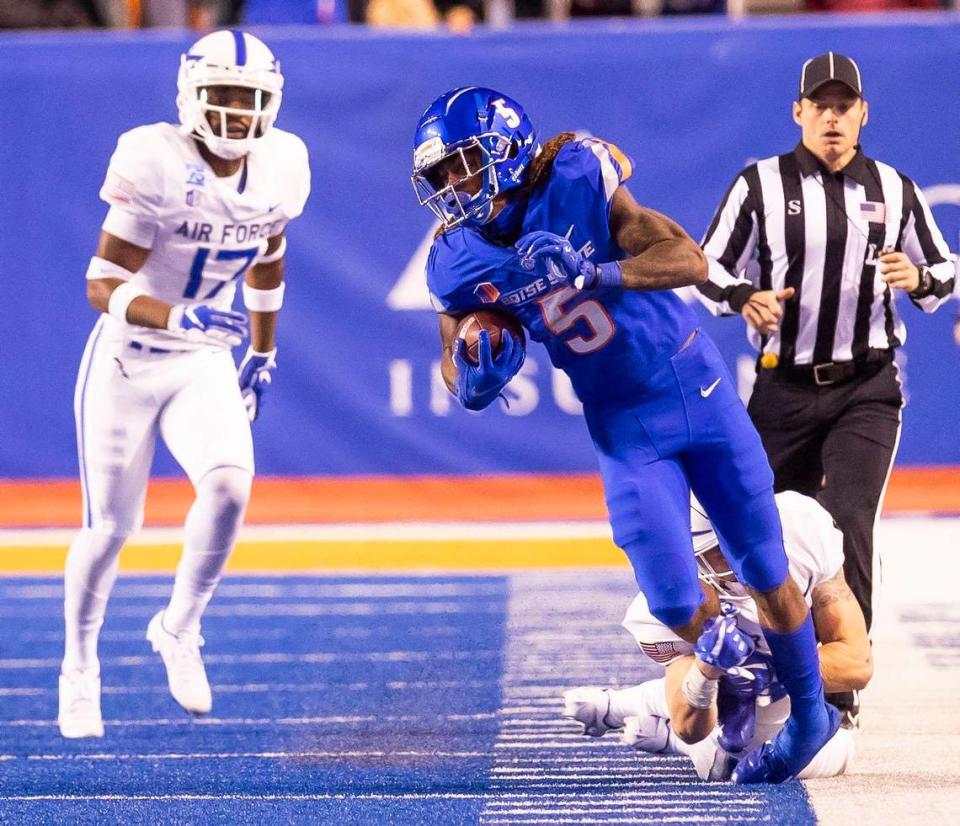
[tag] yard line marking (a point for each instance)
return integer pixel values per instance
(633, 819)
(265, 721)
(254, 755)
(314, 796)
(261, 688)
(274, 658)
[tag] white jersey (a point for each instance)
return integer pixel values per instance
(814, 549)
(203, 232)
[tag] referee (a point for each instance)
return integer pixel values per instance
(810, 248)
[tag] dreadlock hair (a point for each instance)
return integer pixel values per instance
(540, 167)
(543, 163)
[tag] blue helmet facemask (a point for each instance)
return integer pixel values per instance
(467, 133)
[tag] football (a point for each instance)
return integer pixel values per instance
(494, 323)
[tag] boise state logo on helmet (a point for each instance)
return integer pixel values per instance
(468, 133)
(234, 59)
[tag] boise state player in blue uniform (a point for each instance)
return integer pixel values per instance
(551, 236)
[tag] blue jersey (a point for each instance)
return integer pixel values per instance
(608, 341)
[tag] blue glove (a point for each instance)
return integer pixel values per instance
(736, 714)
(200, 322)
(722, 644)
(479, 384)
(564, 263)
(255, 375)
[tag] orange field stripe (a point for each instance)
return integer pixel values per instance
(320, 500)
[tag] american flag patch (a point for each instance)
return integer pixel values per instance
(873, 211)
(661, 652)
(118, 188)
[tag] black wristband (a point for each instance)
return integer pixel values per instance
(925, 287)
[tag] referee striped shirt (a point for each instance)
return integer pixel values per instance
(787, 221)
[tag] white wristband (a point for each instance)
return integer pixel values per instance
(101, 268)
(263, 301)
(698, 690)
(120, 299)
(276, 255)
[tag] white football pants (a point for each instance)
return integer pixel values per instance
(125, 398)
(648, 703)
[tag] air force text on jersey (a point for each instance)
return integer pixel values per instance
(230, 233)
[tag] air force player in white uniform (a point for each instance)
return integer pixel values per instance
(195, 210)
(677, 714)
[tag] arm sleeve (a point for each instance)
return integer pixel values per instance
(729, 244)
(134, 180)
(299, 180)
(616, 167)
(923, 244)
(130, 227)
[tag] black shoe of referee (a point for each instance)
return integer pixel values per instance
(848, 703)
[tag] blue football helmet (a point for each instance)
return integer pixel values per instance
(471, 131)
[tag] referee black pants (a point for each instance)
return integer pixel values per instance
(835, 443)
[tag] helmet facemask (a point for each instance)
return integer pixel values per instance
(477, 156)
(724, 582)
(210, 65)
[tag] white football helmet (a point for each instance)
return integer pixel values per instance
(228, 58)
(705, 539)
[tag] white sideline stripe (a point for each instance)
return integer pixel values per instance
(241, 755)
(273, 657)
(265, 721)
(678, 806)
(265, 688)
(565, 810)
(493, 797)
(345, 532)
(631, 819)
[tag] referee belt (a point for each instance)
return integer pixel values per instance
(832, 372)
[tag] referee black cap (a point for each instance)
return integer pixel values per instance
(826, 68)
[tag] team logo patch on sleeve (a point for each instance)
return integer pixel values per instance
(661, 652)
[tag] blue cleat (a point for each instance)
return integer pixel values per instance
(787, 754)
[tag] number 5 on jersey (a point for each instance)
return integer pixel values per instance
(560, 320)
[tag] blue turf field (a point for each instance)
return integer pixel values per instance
(352, 700)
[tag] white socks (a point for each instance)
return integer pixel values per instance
(211, 529)
(88, 579)
(91, 569)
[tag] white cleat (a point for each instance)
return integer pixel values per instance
(590, 706)
(79, 714)
(186, 675)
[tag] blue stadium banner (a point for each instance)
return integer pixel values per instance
(357, 390)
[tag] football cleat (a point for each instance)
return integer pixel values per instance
(590, 706)
(787, 754)
(186, 675)
(79, 714)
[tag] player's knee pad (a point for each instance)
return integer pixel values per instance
(668, 581)
(675, 615)
(755, 546)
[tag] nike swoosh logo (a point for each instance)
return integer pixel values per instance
(706, 391)
(271, 209)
